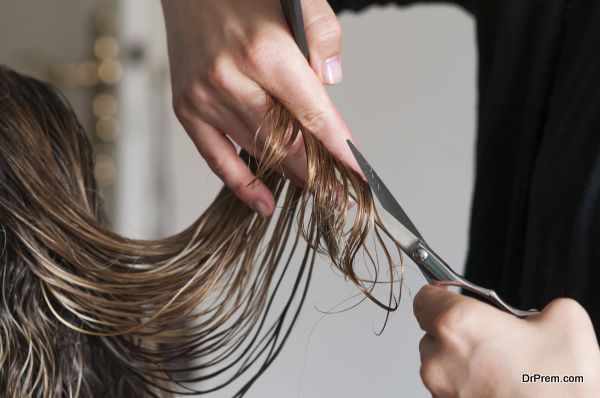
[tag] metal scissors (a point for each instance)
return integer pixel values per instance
(399, 227)
(403, 232)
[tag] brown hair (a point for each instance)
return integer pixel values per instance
(87, 312)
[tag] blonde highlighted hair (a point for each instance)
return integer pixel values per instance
(86, 312)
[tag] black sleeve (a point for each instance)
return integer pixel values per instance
(357, 5)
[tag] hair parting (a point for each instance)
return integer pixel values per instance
(86, 312)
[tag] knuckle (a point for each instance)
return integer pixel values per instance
(238, 186)
(324, 29)
(259, 52)
(180, 107)
(418, 300)
(315, 121)
(449, 323)
(193, 98)
(217, 164)
(566, 307)
(222, 168)
(422, 343)
(197, 96)
(259, 102)
(218, 75)
(184, 111)
(566, 304)
(432, 377)
(429, 376)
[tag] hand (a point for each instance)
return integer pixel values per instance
(472, 349)
(226, 57)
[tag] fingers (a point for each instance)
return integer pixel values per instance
(235, 105)
(450, 317)
(294, 165)
(433, 371)
(241, 113)
(223, 160)
(426, 347)
(562, 311)
(430, 304)
(226, 64)
(278, 66)
(324, 37)
(435, 378)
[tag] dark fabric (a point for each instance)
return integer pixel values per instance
(535, 222)
(358, 5)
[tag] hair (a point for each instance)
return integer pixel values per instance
(86, 312)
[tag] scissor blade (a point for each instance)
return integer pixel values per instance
(383, 194)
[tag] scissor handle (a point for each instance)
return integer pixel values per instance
(438, 273)
(292, 9)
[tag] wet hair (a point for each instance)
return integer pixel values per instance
(87, 312)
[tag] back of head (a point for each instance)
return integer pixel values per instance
(47, 194)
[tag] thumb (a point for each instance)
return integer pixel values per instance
(324, 37)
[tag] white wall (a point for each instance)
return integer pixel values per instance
(409, 98)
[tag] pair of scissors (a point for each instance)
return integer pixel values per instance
(396, 222)
(402, 231)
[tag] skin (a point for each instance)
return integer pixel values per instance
(227, 57)
(472, 349)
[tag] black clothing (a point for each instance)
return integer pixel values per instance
(535, 226)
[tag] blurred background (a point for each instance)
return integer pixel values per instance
(408, 95)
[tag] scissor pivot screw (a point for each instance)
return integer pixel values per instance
(421, 254)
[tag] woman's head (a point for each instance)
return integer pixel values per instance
(44, 150)
(47, 195)
(85, 311)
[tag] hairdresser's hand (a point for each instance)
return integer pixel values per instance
(226, 56)
(472, 349)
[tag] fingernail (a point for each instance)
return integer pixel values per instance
(332, 70)
(261, 208)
